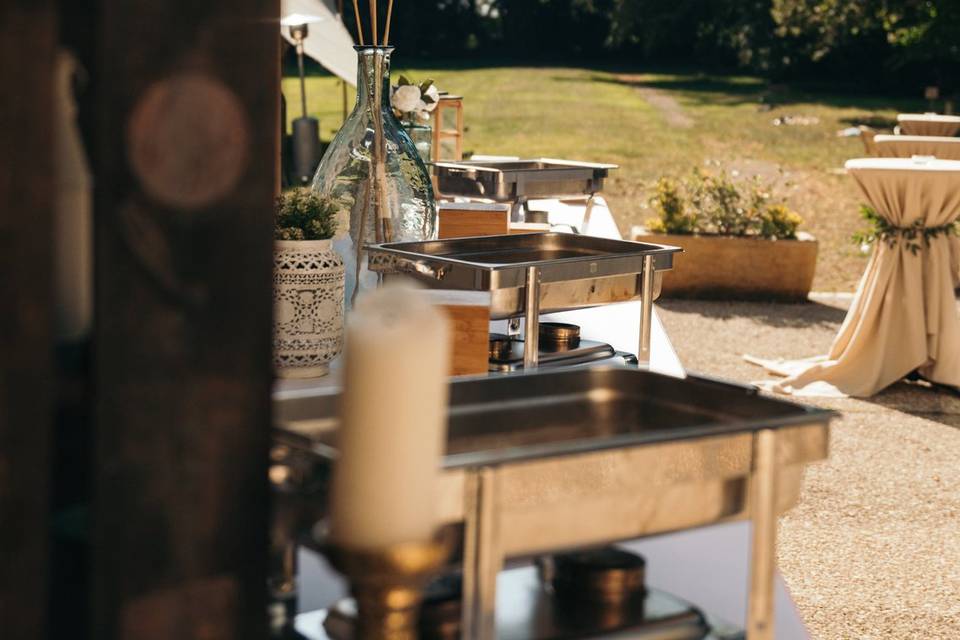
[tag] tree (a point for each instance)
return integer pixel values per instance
(722, 31)
(922, 34)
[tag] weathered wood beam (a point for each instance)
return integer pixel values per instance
(27, 50)
(186, 172)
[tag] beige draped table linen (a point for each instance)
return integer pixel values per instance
(904, 314)
(928, 124)
(941, 147)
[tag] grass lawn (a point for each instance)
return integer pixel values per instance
(654, 124)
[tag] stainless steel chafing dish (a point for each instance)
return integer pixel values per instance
(519, 180)
(529, 274)
(547, 461)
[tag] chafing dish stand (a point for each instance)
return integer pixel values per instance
(530, 274)
(545, 461)
(517, 181)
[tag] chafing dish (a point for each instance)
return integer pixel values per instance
(564, 459)
(520, 180)
(529, 274)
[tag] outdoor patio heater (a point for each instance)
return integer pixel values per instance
(306, 130)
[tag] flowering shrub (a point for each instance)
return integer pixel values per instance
(715, 204)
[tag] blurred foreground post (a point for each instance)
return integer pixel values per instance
(27, 47)
(185, 171)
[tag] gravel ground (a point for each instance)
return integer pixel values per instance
(873, 549)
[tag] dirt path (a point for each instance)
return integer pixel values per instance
(671, 110)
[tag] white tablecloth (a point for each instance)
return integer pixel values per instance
(707, 566)
(928, 124)
(940, 147)
(904, 315)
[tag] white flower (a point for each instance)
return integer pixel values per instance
(406, 98)
(433, 93)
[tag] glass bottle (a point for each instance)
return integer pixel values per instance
(392, 204)
(421, 133)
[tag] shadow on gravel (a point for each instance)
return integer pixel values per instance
(919, 399)
(794, 316)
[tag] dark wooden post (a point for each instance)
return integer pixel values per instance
(27, 48)
(186, 163)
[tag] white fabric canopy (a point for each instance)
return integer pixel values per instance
(328, 41)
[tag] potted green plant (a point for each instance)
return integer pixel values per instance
(308, 285)
(739, 240)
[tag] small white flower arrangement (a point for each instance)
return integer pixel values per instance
(413, 102)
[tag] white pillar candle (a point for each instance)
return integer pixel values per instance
(393, 420)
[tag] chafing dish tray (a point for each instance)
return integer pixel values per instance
(574, 271)
(515, 180)
(543, 461)
(575, 441)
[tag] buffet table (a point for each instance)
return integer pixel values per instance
(707, 566)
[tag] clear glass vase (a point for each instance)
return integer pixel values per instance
(374, 174)
(422, 136)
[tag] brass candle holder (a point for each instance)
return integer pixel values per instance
(388, 584)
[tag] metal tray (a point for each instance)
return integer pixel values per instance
(575, 271)
(516, 180)
(546, 461)
(534, 415)
(602, 441)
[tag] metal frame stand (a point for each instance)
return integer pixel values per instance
(646, 313)
(587, 213)
(482, 556)
(531, 339)
(763, 514)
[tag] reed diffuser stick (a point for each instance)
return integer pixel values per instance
(378, 158)
(373, 20)
(386, 30)
(356, 15)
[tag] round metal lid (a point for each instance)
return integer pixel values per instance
(500, 347)
(557, 334)
(607, 575)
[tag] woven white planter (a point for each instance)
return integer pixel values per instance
(308, 285)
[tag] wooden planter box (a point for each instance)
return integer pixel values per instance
(732, 268)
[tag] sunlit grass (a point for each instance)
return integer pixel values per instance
(601, 116)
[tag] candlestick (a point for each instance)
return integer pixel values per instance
(393, 416)
(388, 583)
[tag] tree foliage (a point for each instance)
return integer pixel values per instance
(845, 39)
(918, 38)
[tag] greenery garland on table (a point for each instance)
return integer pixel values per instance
(881, 229)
